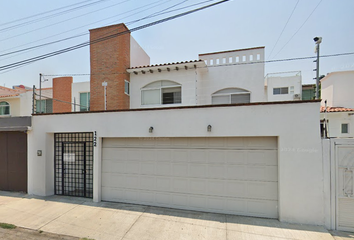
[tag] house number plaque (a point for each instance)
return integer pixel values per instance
(94, 138)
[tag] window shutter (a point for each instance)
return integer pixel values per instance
(240, 98)
(49, 106)
(220, 99)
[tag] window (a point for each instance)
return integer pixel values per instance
(84, 102)
(44, 106)
(126, 87)
(231, 95)
(345, 128)
(282, 90)
(161, 92)
(4, 108)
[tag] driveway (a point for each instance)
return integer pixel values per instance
(80, 217)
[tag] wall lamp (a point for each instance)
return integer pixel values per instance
(151, 129)
(209, 128)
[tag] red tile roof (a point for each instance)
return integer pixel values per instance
(9, 92)
(167, 64)
(337, 109)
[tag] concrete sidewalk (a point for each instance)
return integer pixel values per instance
(80, 217)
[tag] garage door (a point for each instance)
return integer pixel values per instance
(13, 161)
(222, 175)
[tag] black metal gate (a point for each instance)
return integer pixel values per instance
(73, 164)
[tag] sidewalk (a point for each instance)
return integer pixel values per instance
(80, 217)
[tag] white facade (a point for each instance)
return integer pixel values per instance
(20, 105)
(76, 89)
(236, 71)
(283, 86)
(337, 89)
(335, 122)
(138, 57)
(300, 177)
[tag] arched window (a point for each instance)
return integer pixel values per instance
(161, 92)
(231, 95)
(4, 108)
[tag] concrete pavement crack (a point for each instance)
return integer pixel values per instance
(134, 223)
(79, 204)
(226, 227)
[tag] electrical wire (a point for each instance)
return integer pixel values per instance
(84, 33)
(286, 24)
(66, 20)
(222, 65)
(50, 16)
(51, 54)
(299, 28)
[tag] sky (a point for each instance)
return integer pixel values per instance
(285, 28)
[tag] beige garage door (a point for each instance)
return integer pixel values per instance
(223, 175)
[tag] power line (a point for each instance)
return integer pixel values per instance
(299, 28)
(49, 16)
(85, 33)
(221, 65)
(36, 15)
(68, 19)
(286, 24)
(44, 56)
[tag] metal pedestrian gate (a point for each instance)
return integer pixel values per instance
(74, 164)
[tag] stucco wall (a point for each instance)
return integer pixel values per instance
(15, 109)
(138, 57)
(26, 103)
(335, 120)
(77, 88)
(301, 197)
(187, 78)
(286, 81)
(337, 89)
(233, 69)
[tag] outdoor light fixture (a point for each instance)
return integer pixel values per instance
(209, 128)
(151, 129)
(318, 40)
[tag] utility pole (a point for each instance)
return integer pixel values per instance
(40, 92)
(317, 40)
(33, 98)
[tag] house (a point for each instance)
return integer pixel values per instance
(285, 86)
(15, 108)
(337, 106)
(197, 135)
(215, 78)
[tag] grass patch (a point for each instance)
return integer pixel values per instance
(7, 226)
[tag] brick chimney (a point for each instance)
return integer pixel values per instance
(109, 60)
(62, 91)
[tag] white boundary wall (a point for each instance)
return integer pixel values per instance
(301, 191)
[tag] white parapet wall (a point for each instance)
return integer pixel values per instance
(300, 168)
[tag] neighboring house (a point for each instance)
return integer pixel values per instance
(308, 91)
(337, 106)
(14, 107)
(171, 137)
(285, 86)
